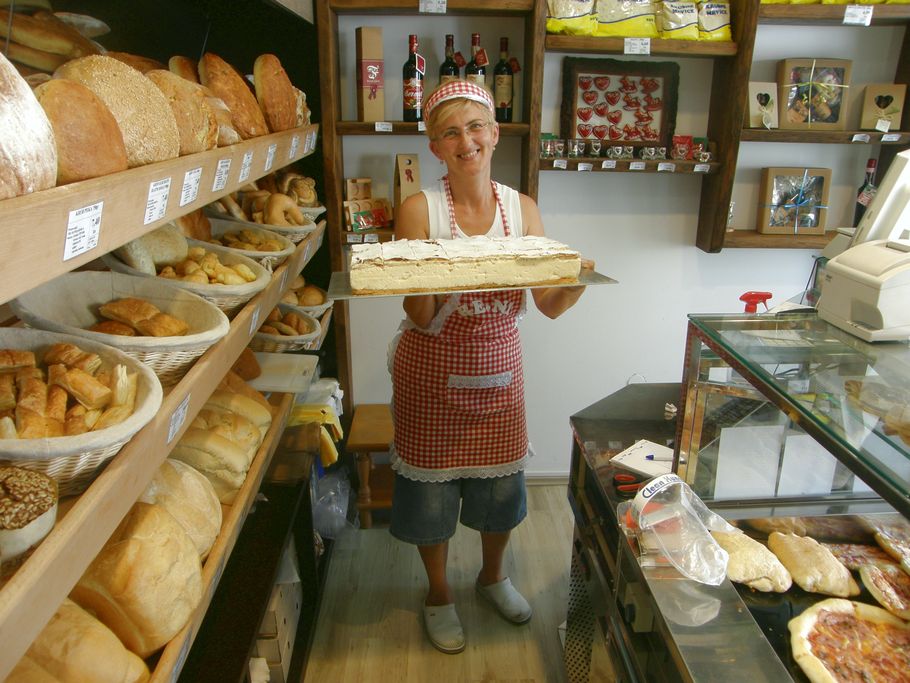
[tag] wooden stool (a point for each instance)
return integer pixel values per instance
(371, 432)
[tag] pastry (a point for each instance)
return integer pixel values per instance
(812, 566)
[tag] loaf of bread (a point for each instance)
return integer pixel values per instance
(224, 81)
(220, 460)
(165, 246)
(138, 62)
(145, 582)
(39, 60)
(812, 566)
(752, 564)
(89, 142)
(242, 405)
(143, 114)
(74, 647)
(195, 225)
(246, 365)
(28, 154)
(234, 384)
(227, 134)
(196, 122)
(275, 93)
(43, 31)
(183, 67)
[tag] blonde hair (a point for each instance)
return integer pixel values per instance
(445, 109)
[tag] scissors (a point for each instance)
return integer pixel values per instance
(627, 484)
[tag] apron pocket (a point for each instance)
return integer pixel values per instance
(481, 395)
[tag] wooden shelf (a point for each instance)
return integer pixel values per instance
(836, 137)
(752, 239)
(324, 323)
(622, 166)
(882, 15)
(33, 593)
(35, 225)
(375, 235)
(406, 128)
(174, 654)
(603, 45)
(412, 6)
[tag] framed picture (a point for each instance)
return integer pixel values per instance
(883, 106)
(761, 109)
(618, 101)
(793, 200)
(813, 93)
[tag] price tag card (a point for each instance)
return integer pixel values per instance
(637, 165)
(371, 237)
(190, 189)
(310, 142)
(82, 230)
(422, 126)
(178, 417)
(270, 156)
(245, 165)
(295, 143)
(221, 175)
(254, 320)
(701, 168)
(156, 203)
(891, 137)
(861, 137)
(560, 163)
(636, 46)
(353, 238)
(383, 127)
(433, 6)
(883, 125)
(666, 167)
(585, 166)
(608, 163)
(858, 15)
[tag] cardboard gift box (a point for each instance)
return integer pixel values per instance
(793, 201)
(813, 93)
(761, 111)
(883, 106)
(370, 74)
(407, 178)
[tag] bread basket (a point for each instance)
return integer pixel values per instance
(295, 233)
(314, 311)
(74, 461)
(229, 298)
(280, 343)
(313, 212)
(69, 304)
(268, 259)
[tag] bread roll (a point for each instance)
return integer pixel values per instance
(89, 142)
(146, 580)
(74, 647)
(28, 510)
(311, 295)
(275, 93)
(196, 121)
(183, 67)
(28, 154)
(220, 460)
(190, 498)
(224, 81)
(138, 62)
(142, 112)
(246, 365)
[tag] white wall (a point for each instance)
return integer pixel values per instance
(640, 230)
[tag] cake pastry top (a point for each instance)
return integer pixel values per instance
(475, 247)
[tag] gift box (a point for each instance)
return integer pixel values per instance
(883, 106)
(813, 93)
(793, 201)
(761, 111)
(370, 74)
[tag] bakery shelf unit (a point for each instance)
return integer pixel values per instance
(599, 164)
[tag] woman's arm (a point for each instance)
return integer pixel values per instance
(551, 301)
(413, 223)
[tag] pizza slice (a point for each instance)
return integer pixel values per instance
(856, 555)
(841, 641)
(892, 533)
(889, 585)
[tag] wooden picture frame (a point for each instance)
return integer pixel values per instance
(619, 101)
(793, 200)
(883, 107)
(813, 93)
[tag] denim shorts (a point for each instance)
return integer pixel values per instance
(426, 513)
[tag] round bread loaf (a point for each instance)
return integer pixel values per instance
(145, 582)
(224, 81)
(183, 67)
(89, 142)
(28, 155)
(311, 296)
(28, 510)
(196, 121)
(275, 93)
(138, 62)
(142, 112)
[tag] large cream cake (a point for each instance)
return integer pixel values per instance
(468, 263)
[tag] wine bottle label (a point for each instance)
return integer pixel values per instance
(370, 74)
(502, 91)
(480, 57)
(421, 64)
(479, 79)
(459, 60)
(867, 195)
(446, 79)
(413, 93)
(514, 65)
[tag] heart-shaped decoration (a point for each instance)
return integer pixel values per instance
(600, 109)
(642, 116)
(615, 133)
(584, 82)
(601, 82)
(763, 99)
(613, 96)
(584, 129)
(631, 132)
(600, 132)
(589, 96)
(614, 116)
(882, 101)
(585, 113)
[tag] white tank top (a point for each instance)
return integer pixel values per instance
(439, 213)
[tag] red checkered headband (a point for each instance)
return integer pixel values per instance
(458, 90)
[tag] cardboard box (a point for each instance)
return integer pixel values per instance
(883, 106)
(370, 74)
(407, 177)
(282, 614)
(793, 200)
(761, 109)
(358, 188)
(813, 93)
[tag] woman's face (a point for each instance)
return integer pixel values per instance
(466, 138)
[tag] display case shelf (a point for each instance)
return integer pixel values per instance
(622, 166)
(835, 137)
(659, 47)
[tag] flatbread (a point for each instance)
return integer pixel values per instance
(856, 555)
(840, 641)
(812, 566)
(889, 585)
(892, 533)
(752, 564)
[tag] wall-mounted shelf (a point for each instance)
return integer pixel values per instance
(622, 166)
(602, 45)
(836, 137)
(412, 6)
(882, 15)
(752, 239)
(406, 128)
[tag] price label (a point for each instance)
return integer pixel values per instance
(312, 141)
(295, 143)
(637, 165)
(608, 163)
(383, 127)
(858, 15)
(190, 189)
(422, 126)
(433, 6)
(666, 167)
(861, 137)
(701, 168)
(883, 125)
(371, 237)
(891, 137)
(178, 417)
(270, 156)
(585, 166)
(254, 320)
(221, 175)
(560, 163)
(82, 230)
(245, 165)
(308, 143)
(353, 238)
(156, 202)
(636, 46)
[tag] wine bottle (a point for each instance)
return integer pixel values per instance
(476, 69)
(502, 84)
(448, 70)
(412, 84)
(866, 192)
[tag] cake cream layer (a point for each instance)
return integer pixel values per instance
(473, 262)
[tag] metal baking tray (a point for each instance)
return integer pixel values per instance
(340, 286)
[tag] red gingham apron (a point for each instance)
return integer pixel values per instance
(458, 397)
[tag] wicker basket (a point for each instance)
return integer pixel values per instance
(295, 233)
(279, 343)
(314, 311)
(229, 298)
(267, 259)
(74, 461)
(313, 212)
(68, 304)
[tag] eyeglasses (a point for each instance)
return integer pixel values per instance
(473, 128)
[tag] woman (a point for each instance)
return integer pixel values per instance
(458, 399)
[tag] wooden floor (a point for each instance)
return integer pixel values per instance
(370, 629)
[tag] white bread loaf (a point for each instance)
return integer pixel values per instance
(191, 500)
(145, 582)
(258, 414)
(220, 460)
(74, 647)
(231, 426)
(28, 154)
(196, 121)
